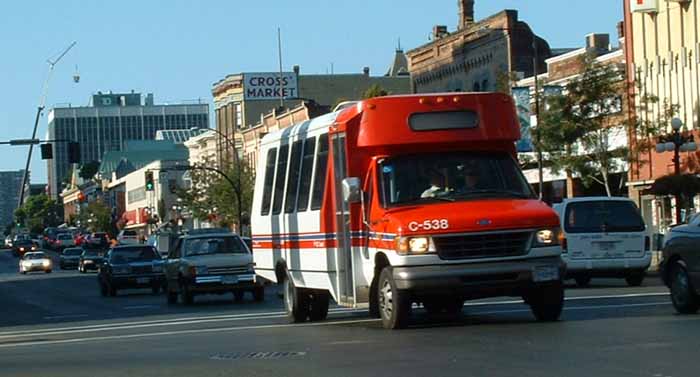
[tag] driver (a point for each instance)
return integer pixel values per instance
(437, 185)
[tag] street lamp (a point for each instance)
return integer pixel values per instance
(676, 143)
(237, 190)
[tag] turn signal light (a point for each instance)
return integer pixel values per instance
(562, 242)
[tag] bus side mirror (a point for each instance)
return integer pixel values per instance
(351, 190)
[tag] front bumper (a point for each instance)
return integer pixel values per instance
(477, 280)
(137, 281)
(216, 283)
(607, 267)
(37, 268)
(91, 265)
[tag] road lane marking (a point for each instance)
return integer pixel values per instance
(267, 315)
(66, 316)
(282, 326)
(136, 325)
(136, 307)
(589, 307)
(183, 332)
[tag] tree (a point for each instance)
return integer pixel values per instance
(88, 170)
(39, 212)
(374, 91)
(581, 120)
(97, 216)
(211, 195)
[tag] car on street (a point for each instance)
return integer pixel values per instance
(680, 266)
(70, 257)
(98, 240)
(90, 260)
(211, 261)
(131, 266)
(128, 237)
(35, 261)
(603, 237)
(22, 246)
(63, 240)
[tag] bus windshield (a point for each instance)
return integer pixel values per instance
(450, 176)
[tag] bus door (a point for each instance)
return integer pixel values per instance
(344, 258)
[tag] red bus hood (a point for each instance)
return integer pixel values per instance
(468, 216)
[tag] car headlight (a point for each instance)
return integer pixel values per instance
(21, 249)
(546, 237)
(414, 245)
(201, 270)
(251, 267)
(46, 263)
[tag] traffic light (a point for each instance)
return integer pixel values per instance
(73, 153)
(46, 151)
(149, 180)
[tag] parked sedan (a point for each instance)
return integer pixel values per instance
(70, 257)
(35, 261)
(90, 259)
(133, 266)
(680, 266)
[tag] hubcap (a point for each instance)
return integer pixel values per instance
(386, 301)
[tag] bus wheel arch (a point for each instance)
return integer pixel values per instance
(380, 261)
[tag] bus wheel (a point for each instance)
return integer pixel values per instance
(547, 301)
(296, 301)
(319, 305)
(394, 305)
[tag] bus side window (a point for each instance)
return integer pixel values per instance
(279, 179)
(269, 177)
(320, 174)
(307, 165)
(293, 178)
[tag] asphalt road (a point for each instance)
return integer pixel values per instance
(58, 325)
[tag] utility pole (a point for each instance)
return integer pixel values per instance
(279, 52)
(40, 109)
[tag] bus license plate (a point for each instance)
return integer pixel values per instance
(545, 273)
(229, 279)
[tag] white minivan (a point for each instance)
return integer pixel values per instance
(603, 237)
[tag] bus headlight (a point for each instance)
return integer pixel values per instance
(414, 245)
(546, 237)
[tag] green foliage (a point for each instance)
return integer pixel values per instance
(88, 170)
(374, 91)
(210, 195)
(504, 81)
(575, 128)
(39, 212)
(97, 217)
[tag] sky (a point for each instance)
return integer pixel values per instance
(177, 49)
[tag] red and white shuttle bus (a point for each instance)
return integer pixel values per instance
(404, 199)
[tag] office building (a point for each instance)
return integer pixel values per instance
(108, 123)
(10, 184)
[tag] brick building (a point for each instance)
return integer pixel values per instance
(478, 56)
